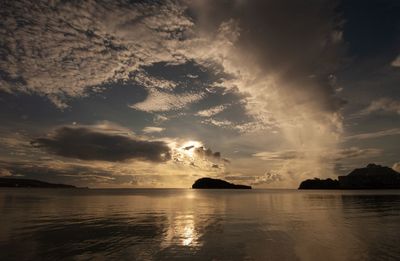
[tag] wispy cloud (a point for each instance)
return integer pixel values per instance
(152, 129)
(396, 166)
(372, 135)
(388, 105)
(211, 111)
(337, 155)
(218, 123)
(5, 173)
(148, 81)
(264, 179)
(396, 62)
(78, 173)
(157, 101)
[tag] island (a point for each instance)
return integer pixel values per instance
(29, 183)
(209, 183)
(372, 176)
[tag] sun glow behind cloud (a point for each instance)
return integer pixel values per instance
(189, 147)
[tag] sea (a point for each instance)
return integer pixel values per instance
(187, 224)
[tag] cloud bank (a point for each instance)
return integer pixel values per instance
(91, 144)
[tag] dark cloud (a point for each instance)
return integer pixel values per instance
(87, 143)
(207, 153)
(299, 42)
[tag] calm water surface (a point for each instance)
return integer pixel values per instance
(184, 224)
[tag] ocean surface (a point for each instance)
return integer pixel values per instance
(185, 224)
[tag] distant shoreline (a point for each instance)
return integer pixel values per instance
(30, 183)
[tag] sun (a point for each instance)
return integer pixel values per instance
(188, 147)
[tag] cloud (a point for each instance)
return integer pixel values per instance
(148, 81)
(267, 178)
(396, 166)
(192, 76)
(157, 101)
(106, 154)
(373, 135)
(211, 111)
(261, 54)
(5, 173)
(109, 128)
(87, 143)
(218, 123)
(382, 104)
(396, 62)
(293, 166)
(151, 129)
(14, 140)
(277, 155)
(80, 174)
(353, 153)
(159, 118)
(246, 127)
(337, 155)
(195, 154)
(206, 153)
(64, 49)
(85, 44)
(106, 173)
(287, 72)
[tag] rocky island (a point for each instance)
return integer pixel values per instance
(29, 183)
(209, 183)
(371, 177)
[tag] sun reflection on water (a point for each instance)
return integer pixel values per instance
(182, 231)
(189, 234)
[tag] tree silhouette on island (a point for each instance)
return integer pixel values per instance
(371, 177)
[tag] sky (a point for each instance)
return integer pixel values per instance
(160, 93)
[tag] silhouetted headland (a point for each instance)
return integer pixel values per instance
(209, 183)
(317, 183)
(371, 177)
(30, 183)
